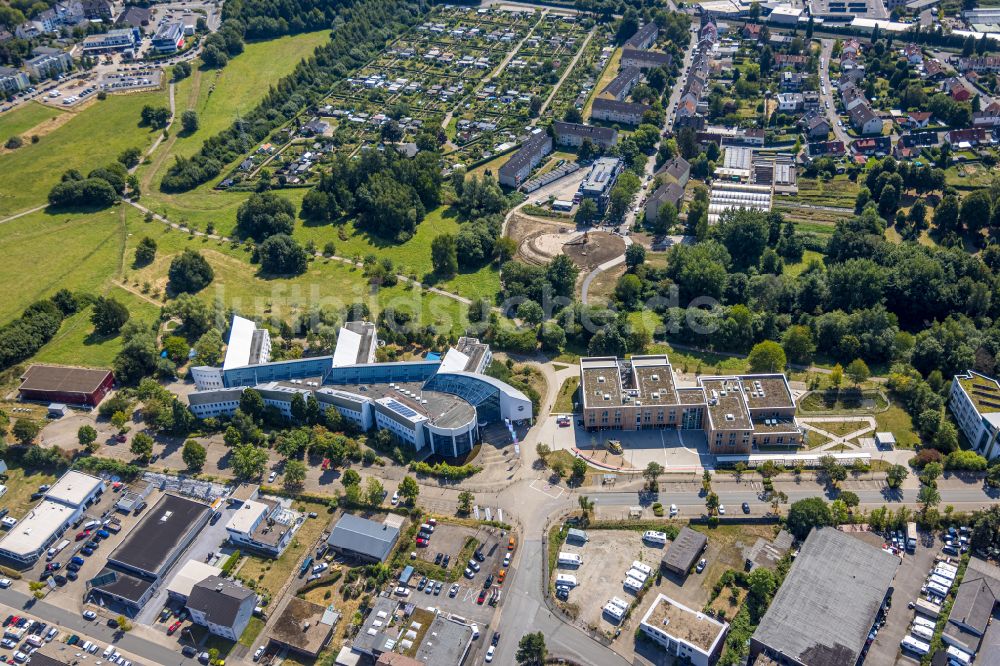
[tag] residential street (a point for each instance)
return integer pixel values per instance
(828, 98)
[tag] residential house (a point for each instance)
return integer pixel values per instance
(934, 70)
(815, 126)
(574, 134)
(879, 146)
(677, 170)
(48, 63)
(613, 111)
(913, 54)
(645, 59)
(810, 101)
(988, 117)
(864, 120)
(850, 49)
(709, 31)
(792, 81)
(852, 96)
(955, 87)
(222, 606)
(98, 10)
(621, 85)
(790, 102)
(964, 138)
(752, 31)
(12, 81)
(785, 61)
(917, 119)
(644, 37)
(832, 149)
(135, 17)
(262, 526)
(668, 194)
(515, 171)
(981, 65)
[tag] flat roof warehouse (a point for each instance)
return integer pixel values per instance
(152, 545)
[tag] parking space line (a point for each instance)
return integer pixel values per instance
(546, 489)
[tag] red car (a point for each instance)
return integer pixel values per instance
(174, 627)
(326, 464)
(422, 542)
(482, 597)
(83, 535)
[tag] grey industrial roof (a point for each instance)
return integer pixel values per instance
(150, 543)
(684, 550)
(445, 642)
(216, 395)
(62, 378)
(378, 628)
(364, 536)
(124, 586)
(976, 595)
(219, 599)
(823, 612)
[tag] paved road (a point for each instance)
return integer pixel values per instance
(827, 98)
(72, 621)
(607, 265)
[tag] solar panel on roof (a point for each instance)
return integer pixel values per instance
(400, 408)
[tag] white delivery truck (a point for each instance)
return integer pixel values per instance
(570, 559)
(911, 537)
(922, 633)
(916, 646)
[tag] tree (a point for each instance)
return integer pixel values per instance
(946, 213)
(145, 252)
(264, 215)
(108, 316)
(189, 272)
(142, 446)
(531, 649)
(635, 255)
(130, 157)
(806, 514)
(652, 473)
(767, 356)
(798, 344)
(248, 461)
(295, 473)
(193, 455)
(586, 212)
(586, 506)
(374, 492)
(579, 468)
(189, 122)
(929, 497)
(409, 489)
(208, 348)
(712, 503)
(350, 478)
(976, 210)
(25, 431)
(836, 376)
(281, 254)
(849, 498)
(858, 372)
(465, 500)
(123, 624)
(444, 255)
(87, 436)
(896, 475)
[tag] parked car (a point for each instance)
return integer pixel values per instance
(258, 653)
(746, 507)
(454, 590)
(489, 653)
(89, 615)
(482, 597)
(701, 565)
(188, 651)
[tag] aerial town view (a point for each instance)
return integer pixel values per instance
(515, 332)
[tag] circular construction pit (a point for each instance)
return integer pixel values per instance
(591, 249)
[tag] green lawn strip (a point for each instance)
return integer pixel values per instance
(567, 393)
(249, 635)
(897, 421)
(78, 251)
(796, 269)
(95, 137)
(24, 118)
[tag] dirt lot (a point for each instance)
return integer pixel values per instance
(606, 557)
(524, 230)
(593, 249)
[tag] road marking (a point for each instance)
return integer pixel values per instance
(546, 490)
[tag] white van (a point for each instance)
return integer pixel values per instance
(644, 568)
(632, 584)
(35, 641)
(638, 575)
(108, 652)
(570, 559)
(566, 579)
(916, 646)
(923, 622)
(652, 536)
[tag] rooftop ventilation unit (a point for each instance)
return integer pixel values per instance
(600, 379)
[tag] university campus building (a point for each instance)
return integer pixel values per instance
(738, 413)
(437, 403)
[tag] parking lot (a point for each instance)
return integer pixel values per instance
(910, 577)
(451, 539)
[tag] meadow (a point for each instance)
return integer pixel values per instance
(24, 118)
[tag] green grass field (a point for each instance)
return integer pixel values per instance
(94, 137)
(76, 251)
(24, 118)
(794, 270)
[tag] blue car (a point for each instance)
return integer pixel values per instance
(104, 534)
(76, 559)
(88, 551)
